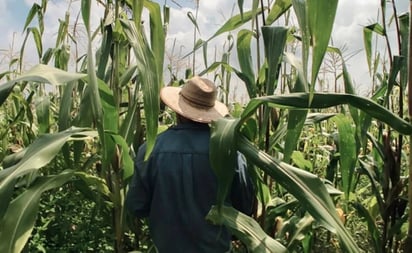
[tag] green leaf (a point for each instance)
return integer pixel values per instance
(369, 171)
(367, 41)
(296, 121)
(372, 228)
(37, 155)
(230, 25)
(244, 55)
(246, 229)
(37, 40)
(223, 155)
(347, 150)
(321, 16)
(302, 226)
(40, 73)
(301, 12)
(299, 159)
(43, 113)
(85, 9)
(404, 35)
(193, 20)
(63, 30)
(95, 183)
(326, 100)
(278, 8)
(315, 118)
(126, 162)
(65, 106)
(367, 44)
(17, 224)
(157, 36)
(5, 90)
(149, 79)
(32, 13)
(235, 22)
(274, 39)
(306, 187)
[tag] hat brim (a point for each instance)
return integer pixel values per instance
(172, 98)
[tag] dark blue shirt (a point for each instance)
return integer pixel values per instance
(176, 187)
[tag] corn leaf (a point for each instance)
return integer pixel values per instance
(40, 73)
(306, 187)
(223, 155)
(36, 8)
(17, 224)
(85, 9)
(321, 16)
(347, 150)
(278, 8)
(244, 55)
(300, 8)
(37, 155)
(157, 35)
(326, 100)
(246, 229)
(149, 80)
(43, 113)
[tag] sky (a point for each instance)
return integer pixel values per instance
(350, 18)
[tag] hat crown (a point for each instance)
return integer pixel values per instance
(199, 92)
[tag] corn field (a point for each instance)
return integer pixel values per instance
(331, 168)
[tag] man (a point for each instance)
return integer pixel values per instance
(176, 187)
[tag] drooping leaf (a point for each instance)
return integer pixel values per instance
(193, 20)
(40, 73)
(230, 25)
(278, 8)
(17, 224)
(304, 186)
(246, 229)
(37, 155)
(326, 100)
(37, 40)
(36, 8)
(367, 41)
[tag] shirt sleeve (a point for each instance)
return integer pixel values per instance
(138, 198)
(242, 192)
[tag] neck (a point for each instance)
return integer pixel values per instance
(181, 120)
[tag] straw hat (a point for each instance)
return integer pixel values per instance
(196, 100)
